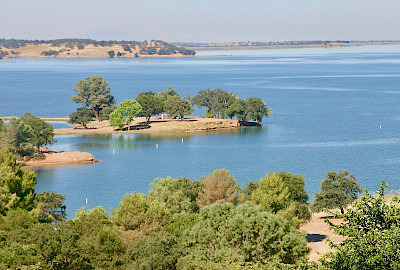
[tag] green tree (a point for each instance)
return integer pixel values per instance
(151, 104)
(256, 109)
(81, 116)
(246, 233)
(170, 92)
(216, 101)
(19, 136)
(137, 211)
(179, 195)
(219, 187)
(51, 206)
(338, 190)
(237, 108)
(111, 54)
(17, 187)
(178, 107)
(116, 119)
(42, 132)
(371, 229)
(94, 94)
(283, 194)
(127, 109)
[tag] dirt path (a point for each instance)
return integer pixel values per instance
(317, 234)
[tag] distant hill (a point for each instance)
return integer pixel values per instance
(88, 48)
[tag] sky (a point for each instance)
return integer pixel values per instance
(202, 20)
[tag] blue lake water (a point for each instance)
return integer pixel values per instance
(333, 109)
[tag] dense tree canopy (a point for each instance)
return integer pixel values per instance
(219, 187)
(42, 132)
(151, 103)
(94, 94)
(17, 187)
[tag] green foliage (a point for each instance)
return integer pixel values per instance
(220, 103)
(151, 104)
(41, 131)
(178, 107)
(81, 116)
(371, 229)
(17, 187)
(217, 101)
(219, 187)
(256, 109)
(127, 48)
(179, 195)
(94, 94)
(51, 207)
(136, 211)
(116, 119)
(111, 54)
(3, 54)
(246, 233)
(17, 136)
(338, 190)
(50, 53)
(283, 194)
(124, 113)
(155, 251)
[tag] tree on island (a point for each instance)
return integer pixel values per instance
(94, 94)
(42, 132)
(338, 190)
(124, 113)
(255, 109)
(177, 107)
(81, 116)
(151, 104)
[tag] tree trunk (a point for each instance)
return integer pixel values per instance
(96, 113)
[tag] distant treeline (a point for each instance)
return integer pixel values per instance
(146, 47)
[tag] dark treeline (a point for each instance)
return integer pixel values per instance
(208, 223)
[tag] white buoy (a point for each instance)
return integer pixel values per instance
(113, 152)
(380, 126)
(86, 202)
(157, 145)
(182, 140)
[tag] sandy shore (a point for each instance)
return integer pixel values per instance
(159, 126)
(61, 158)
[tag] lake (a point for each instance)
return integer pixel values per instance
(334, 109)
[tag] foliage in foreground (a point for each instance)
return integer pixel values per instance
(371, 229)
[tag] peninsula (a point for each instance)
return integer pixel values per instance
(88, 48)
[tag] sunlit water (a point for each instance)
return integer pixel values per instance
(333, 109)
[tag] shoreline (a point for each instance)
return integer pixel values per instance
(156, 126)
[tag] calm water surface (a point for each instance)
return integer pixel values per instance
(333, 109)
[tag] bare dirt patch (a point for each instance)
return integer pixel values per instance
(61, 158)
(317, 234)
(140, 125)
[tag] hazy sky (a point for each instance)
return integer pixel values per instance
(202, 20)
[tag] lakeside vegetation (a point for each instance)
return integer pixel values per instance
(82, 48)
(209, 223)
